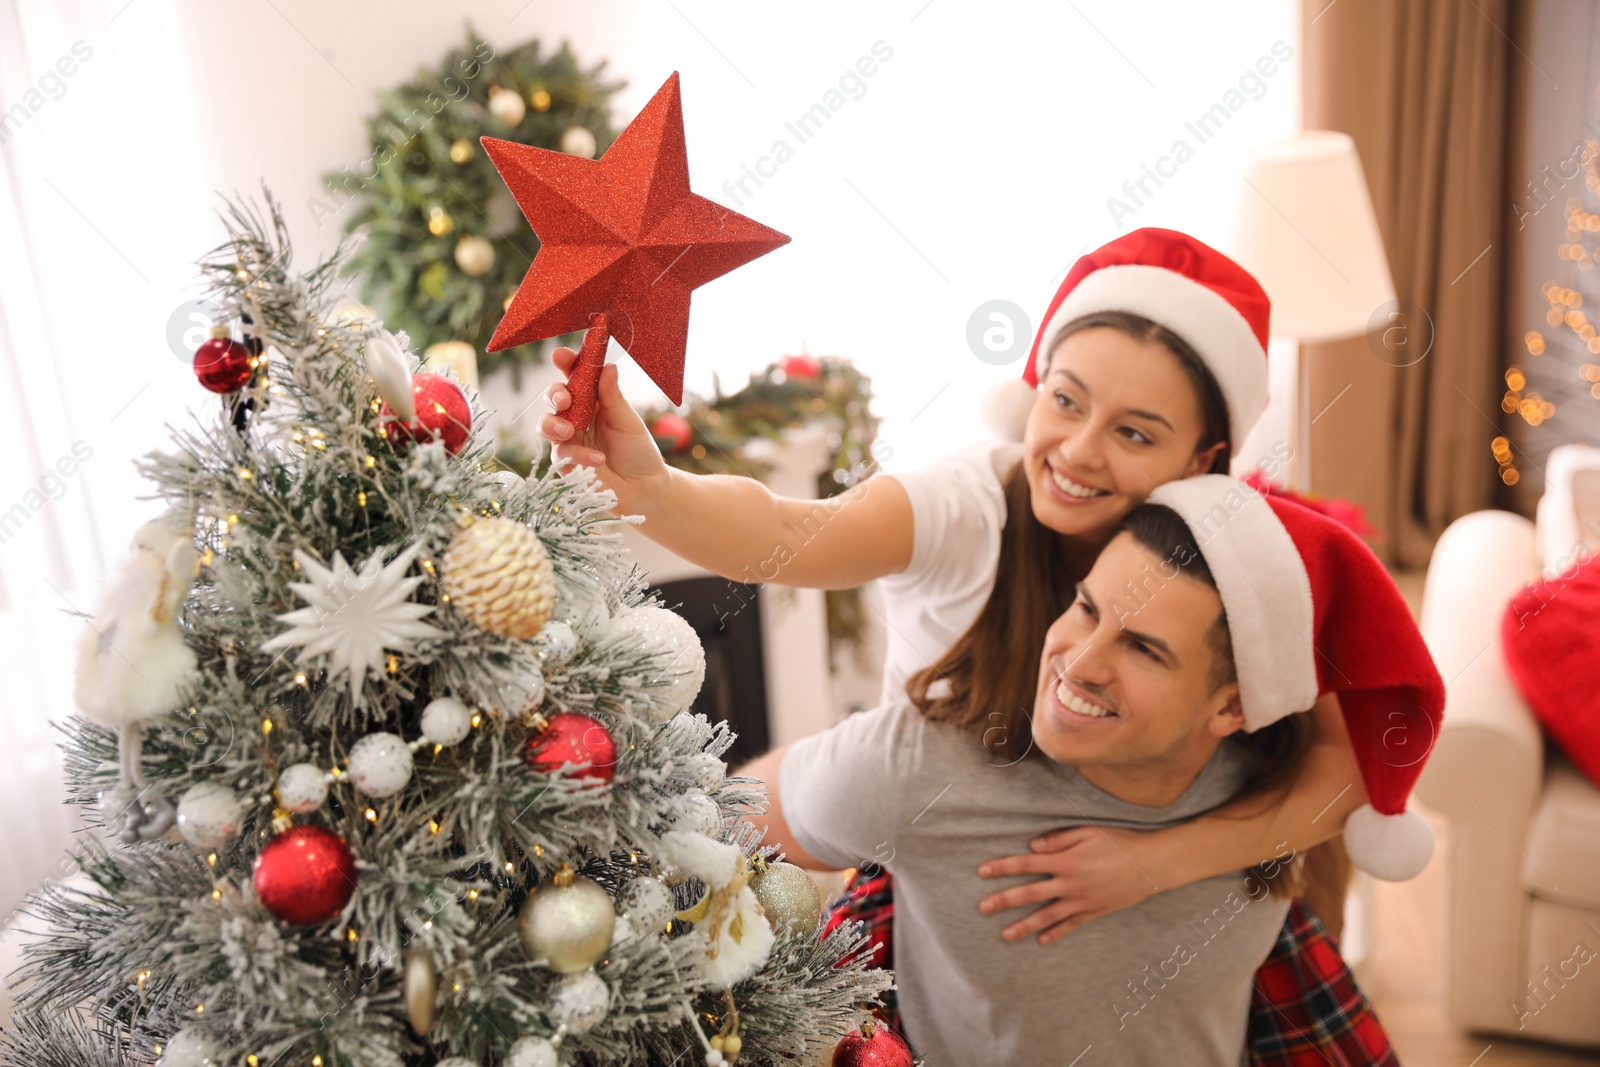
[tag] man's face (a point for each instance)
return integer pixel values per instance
(1126, 678)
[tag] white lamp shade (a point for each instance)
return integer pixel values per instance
(1307, 231)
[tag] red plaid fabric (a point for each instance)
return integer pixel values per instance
(1305, 1011)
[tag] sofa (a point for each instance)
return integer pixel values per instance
(1522, 853)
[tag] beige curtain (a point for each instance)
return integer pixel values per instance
(1421, 85)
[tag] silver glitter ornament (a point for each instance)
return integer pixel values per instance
(647, 902)
(566, 923)
(533, 1052)
(579, 1002)
(788, 896)
(188, 1048)
(556, 642)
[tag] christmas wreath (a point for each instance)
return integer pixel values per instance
(713, 435)
(445, 242)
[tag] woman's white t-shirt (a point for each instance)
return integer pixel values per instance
(958, 511)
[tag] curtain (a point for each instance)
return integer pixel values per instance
(1421, 85)
(102, 213)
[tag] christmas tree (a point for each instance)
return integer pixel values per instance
(386, 752)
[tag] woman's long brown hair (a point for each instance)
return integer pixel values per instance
(992, 669)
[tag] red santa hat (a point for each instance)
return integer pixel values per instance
(1311, 611)
(1171, 278)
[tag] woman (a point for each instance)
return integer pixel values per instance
(1150, 364)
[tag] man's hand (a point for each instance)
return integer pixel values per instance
(1090, 872)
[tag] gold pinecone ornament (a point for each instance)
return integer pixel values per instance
(497, 574)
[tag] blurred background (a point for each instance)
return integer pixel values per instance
(939, 165)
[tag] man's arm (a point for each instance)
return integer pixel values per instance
(766, 768)
(1093, 871)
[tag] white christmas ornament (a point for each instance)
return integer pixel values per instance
(380, 765)
(302, 788)
(580, 1001)
(187, 1049)
(391, 371)
(133, 663)
(579, 141)
(647, 903)
(706, 771)
(446, 721)
(459, 1061)
(556, 642)
(474, 255)
(506, 105)
(208, 815)
(680, 667)
(698, 814)
(533, 1052)
(353, 616)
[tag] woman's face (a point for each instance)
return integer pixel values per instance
(1115, 418)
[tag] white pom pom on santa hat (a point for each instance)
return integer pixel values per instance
(1391, 847)
(1170, 278)
(1004, 408)
(1286, 573)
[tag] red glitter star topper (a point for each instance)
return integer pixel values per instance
(623, 244)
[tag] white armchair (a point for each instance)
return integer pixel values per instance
(1522, 882)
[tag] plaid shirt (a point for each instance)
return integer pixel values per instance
(1306, 1009)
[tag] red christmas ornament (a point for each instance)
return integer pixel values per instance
(442, 412)
(222, 364)
(674, 429)
(807, 367)
(872, 1046)
(573, 738)
(305, 875)
(624, 238)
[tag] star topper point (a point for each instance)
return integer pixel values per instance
(623, 243)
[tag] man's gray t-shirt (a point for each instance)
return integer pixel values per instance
(1166, 981)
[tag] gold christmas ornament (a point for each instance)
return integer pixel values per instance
(540, 100)
(566, 923)
(460, 150)
(420, 989)
(788, 896)
(474, 255)
(439, 221)
(497, 574)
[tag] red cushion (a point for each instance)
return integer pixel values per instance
(1551, 637)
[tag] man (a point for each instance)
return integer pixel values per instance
(1137, 722)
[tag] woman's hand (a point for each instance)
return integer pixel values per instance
(1091, 871)
(617, 443)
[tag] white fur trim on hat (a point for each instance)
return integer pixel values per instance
(1004, 408)
(1194, 312)
(1391, 847)
(1265, 592)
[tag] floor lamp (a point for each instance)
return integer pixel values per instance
(1307, 231)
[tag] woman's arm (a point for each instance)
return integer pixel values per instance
(732, 526)
(766, 768)
(1093, 871)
